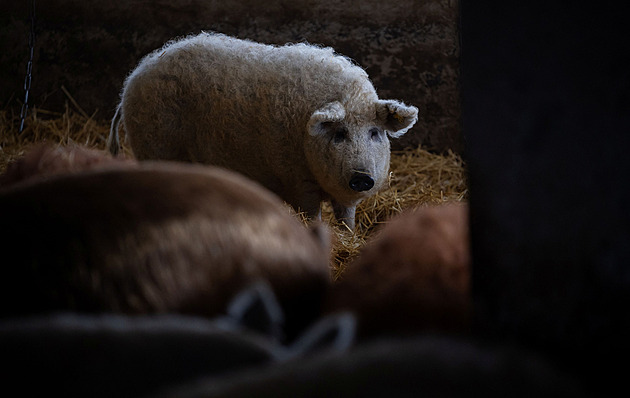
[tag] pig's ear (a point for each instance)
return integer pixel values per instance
(329, 113)
(322, 235)
(396, 117)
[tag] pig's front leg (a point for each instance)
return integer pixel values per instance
(309, 198)
(344, 214)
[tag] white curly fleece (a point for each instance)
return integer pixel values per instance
(244, 105)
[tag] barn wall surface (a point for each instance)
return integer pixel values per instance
(409, 48)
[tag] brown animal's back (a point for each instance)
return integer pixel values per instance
(153, 238)
(43, 161)
(414, 276)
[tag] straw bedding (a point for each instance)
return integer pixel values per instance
(417, 177)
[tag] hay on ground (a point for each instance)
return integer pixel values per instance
(417, 177)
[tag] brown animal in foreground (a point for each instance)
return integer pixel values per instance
(42, 161)
(414, 276)
(152, 238)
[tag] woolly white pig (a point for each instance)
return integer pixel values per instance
(300, 119)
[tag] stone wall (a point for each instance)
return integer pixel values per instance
(409, 48)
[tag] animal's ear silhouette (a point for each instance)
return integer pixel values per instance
(395, 117)
(335, 332)
(322, 235)
(329, 113)
(256, 308)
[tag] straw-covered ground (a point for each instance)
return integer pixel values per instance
(417, 177)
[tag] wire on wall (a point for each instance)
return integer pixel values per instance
(29, 66)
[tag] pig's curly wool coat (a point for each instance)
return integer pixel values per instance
(258, 109)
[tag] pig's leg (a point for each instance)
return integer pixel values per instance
(310, 198)
(313, 212)
(344, 214)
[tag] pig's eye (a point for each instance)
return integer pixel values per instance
(341, 134)
(375, 134)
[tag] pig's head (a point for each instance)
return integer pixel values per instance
(348, 150)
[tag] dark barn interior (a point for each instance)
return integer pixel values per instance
(534, 99)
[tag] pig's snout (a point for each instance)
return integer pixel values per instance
(361, 181)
